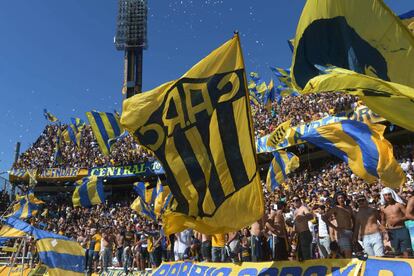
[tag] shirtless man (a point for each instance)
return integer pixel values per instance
(393, 218)
(367, 227)
(206, 247)
(344, 217)
(277, 227)
(233, 244)
(301, 217)
(257, 241)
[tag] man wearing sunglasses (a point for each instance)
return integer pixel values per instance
(301, 217)
(368, 228)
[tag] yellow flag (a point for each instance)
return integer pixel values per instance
(393, 101)
(200, 129)
(277, 136)
(363, 36)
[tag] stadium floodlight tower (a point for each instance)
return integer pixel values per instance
(131, 37)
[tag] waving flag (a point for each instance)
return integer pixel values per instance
(14, 227)
(363, 36)
(72, 134)
(142, 208)
(49, 116)
(363, 147)
(199, 127)
(27, 206)
(393, 101)
(282, 164)
(105, 126)
(162, 199)
(89, 193)
(283, 75)
(61, 255)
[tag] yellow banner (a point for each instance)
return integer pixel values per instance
(334, 267)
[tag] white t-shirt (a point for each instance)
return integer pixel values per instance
(184, 240)
(323, 229)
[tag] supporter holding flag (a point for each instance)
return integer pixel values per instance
(89, 192)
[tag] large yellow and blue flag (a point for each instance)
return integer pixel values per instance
(61, 255)
(27, 206)
(393, 101)
(337, 33)
(363, 147)
(282, 164)
(14, 227)
(200, 129)
(49, 116)
(105, 126)
(143, 209)
(89, 192)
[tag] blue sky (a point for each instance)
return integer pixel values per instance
(60, 55)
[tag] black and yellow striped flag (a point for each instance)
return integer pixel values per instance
(199, 127)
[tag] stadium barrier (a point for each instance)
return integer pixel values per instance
(334, 267)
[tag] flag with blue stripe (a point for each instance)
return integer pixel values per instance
(363, 147)
(61, 255)
(78, 123)
(283, 75)
(142, 208)
(27, 206)
(162, 199)
(72, 134)
(14, 227)
(282, 164)
(49, 116)
(105, 126)
(89, 193)
(57, 156)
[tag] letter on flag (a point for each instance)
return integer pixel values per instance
(199, 127)
(277, 136)
(363, 147)
(282, 164)
(89, 192)
(105, 126)
(338, 33)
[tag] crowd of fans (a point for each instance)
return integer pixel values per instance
(42, 154)
(126, 151)
(317, 213)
